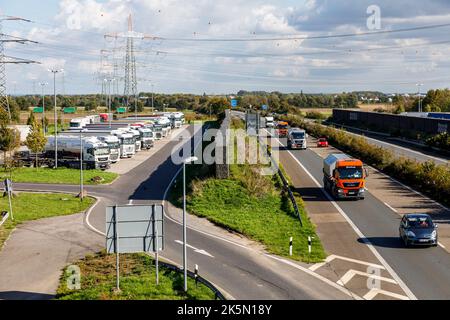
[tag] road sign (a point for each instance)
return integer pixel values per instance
(121, 110)
(69, 110)
(234, 103)
(8, 185)
(264, 107)
(134, 228)
(38, 110)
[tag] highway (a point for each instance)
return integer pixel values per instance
(425, 271)
(241, 271)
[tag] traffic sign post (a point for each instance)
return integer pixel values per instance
(131, 229)
(9, 190)
(234, 103)
(265, 107)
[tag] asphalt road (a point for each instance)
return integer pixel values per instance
(401, 148)
(426, 271)
(242, 272)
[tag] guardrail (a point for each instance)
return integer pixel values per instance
(287, 188)
(217, 293)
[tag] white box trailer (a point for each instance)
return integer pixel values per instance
(95, 153)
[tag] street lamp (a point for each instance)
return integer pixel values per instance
(43, 84)
(109, 99)
(81, 165)
(420, 100)
(55, 71)
(186, 161)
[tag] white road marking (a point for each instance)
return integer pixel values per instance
(441, 245)
(316, 275)
(390, 207)
(356, 229)
(333, 256)
(195, 249)
(351, 273)
(373, 292)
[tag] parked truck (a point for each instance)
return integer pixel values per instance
(127, 143)
(344, 177)
(114, 146)
(146, 137)
(95, 153)
(269, 122)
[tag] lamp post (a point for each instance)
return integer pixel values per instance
(55, 71)
(186, 161)
(420, 100)
(43, 84)
(153, 90)
(81, 166)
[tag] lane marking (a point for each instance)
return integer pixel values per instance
(195, 249)
(390, 207)
(316, 275)
(369, 264)
(356, 229)
(373, 292)
(348, 276)
(441, 245)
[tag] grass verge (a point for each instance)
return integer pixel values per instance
(57, 176)
(30, 206)
(137, 281)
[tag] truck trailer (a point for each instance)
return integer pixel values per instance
(344, 177)
(94, 152)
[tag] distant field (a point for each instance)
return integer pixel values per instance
(372, 107)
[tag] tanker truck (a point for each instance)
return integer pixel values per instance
(95, 153)
(344, 177)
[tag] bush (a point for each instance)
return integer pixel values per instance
(441, 141)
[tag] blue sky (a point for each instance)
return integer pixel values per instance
(70, 35)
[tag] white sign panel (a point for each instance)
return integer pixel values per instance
(137, 228)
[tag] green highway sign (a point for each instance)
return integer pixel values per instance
(69, 110)
(38, 110)
(121, 110)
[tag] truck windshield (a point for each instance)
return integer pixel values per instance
(101, 151)
(113, 145)
(147, 134)
(350, 173)
(127, 141)
(75, 125)
(298, 135)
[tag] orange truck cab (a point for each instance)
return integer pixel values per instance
(344, 177)
(282, 128)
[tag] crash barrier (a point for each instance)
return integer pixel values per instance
(286, 185)
(222, 166)
(197, 278)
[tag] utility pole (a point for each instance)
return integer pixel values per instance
(420, 98)
(55, 71)
(4, 59)
(43, 84)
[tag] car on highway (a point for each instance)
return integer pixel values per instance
(322, 142)
(418, 229)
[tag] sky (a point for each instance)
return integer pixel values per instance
(222, 46)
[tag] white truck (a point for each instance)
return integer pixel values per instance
(78, 123)
(165, 124)
(296, 139)
(95, 153)
(269, 122)
(137, 138)
(146, 137)
(127, 143)
(114, 146)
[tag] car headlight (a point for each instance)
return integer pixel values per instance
(362, 190)
(340, 191)
(433, 234)
(410, 234)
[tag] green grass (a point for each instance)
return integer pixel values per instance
(58, 176)
(32, 206)
(137, 281)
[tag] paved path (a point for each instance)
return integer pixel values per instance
(33, 257)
